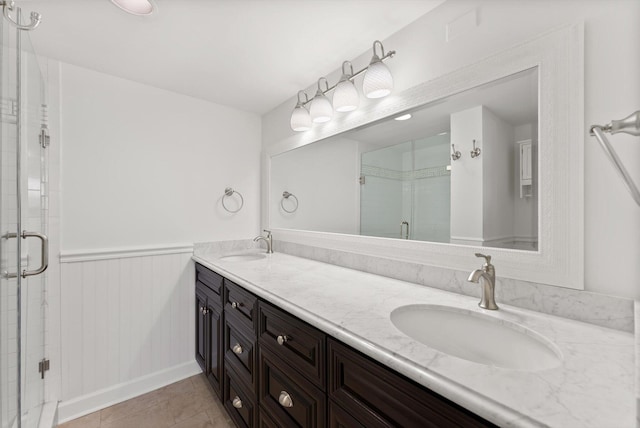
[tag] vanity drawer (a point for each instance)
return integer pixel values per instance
(295, 342)
(240, 304)
(210, 279)
(239, 402)
(240, 352)
(369, 389)
(287, 397)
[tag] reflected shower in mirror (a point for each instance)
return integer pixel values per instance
(460, 170)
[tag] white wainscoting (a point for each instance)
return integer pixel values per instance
(127, 324)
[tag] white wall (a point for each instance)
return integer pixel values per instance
(143, 166)
(325, 182)
(467, 191)
(142, 170)
(498, 178)
(612, 90)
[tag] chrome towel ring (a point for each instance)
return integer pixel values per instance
(228, 192)
(287, 195)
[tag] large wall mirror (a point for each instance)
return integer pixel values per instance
(487, 158)
(459, 170)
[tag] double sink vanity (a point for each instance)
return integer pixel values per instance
(296, 342)
(292, 339)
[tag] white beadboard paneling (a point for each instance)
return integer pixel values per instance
(124, 320)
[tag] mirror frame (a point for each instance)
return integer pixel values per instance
(559, 56)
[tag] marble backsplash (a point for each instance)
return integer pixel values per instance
(599, 309)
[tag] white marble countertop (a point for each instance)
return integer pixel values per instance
(593, 387)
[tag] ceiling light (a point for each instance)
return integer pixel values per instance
(378, 81)
(404, 117)
(300, 119)
(321, 110)
(345, 97)
(135, 7)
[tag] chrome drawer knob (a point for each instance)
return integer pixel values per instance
(285, 399)
(282, 339)
(237, 349)
(237, 402)
(234, 305)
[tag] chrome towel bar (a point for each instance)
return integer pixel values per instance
(628, 125)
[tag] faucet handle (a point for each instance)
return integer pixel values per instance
(268, 232)
(487, 258)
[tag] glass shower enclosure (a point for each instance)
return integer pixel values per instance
(23, 223)
(406, 190)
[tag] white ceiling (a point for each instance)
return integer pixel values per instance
(248, 54)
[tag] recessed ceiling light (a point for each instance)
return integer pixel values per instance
(404, 117)
(135, 7)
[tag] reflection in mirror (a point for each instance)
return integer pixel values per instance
(461, 170)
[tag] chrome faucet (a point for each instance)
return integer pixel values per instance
(488, 274)
(268, 239)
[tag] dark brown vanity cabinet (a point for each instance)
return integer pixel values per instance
(209, 286)
(280, 371)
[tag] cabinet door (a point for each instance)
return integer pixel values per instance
(214, 342)
(201, 328)
(373, 392)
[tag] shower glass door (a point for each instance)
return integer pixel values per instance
(23, 207)
(34, 194)
(406, 190)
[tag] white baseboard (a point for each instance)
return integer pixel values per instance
(89, 403)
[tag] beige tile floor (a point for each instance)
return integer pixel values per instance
(190, 403)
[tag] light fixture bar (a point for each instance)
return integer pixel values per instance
(389, 54)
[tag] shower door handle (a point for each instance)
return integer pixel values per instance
(44, 241)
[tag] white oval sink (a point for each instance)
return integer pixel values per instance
(477, 337)
(242, 257)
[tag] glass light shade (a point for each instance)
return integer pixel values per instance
(135, 7)
(345, 96)
(378, 81)
(300, 119)
(321, 109)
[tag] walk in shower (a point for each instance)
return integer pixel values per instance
(23, 221)
(406, 190)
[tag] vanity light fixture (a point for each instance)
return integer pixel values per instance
(345, 97)
(377, 83)
(321, 110)
(403, 117)
(135, 7)
(300, 118)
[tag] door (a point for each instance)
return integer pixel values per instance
(34, 220)
(23, 207)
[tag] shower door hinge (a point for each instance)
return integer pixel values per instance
(362, 179)
(43, 366)
(44, 136)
